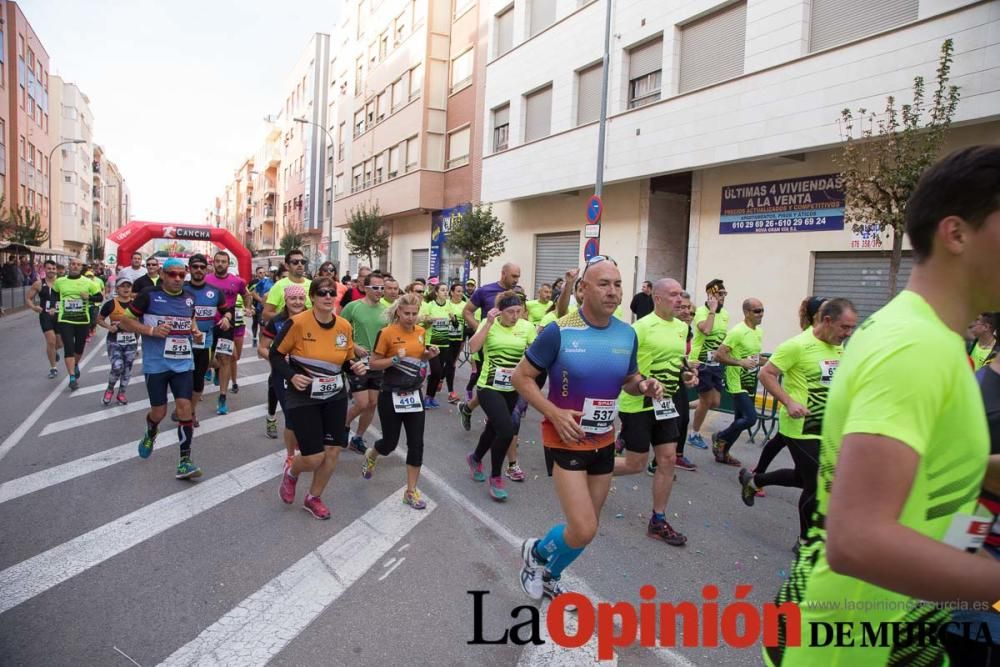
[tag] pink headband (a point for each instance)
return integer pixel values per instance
(295, 290)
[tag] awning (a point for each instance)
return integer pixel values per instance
(35, 250)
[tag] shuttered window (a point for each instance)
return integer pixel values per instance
(712, 48)
(645, 69)
(538, 114)
(461, 70)
(458, 147)
(862, 277)
(543, 14)
(501, 127)
(554, 253)
(588, 101)
(504, 32)
(420, 263)
(834, 22)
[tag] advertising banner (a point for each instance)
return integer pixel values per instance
(806, 204)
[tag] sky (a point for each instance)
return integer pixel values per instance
(178, 88)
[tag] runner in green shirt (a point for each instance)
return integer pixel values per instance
(296, 263)
(367, 317)
(437, 317)
(740, 354)
(710, 323)
(984, 332)
(538, 307)
(76, 294)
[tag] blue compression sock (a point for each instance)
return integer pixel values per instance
(555, 552)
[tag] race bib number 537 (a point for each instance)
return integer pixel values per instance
(599, 415)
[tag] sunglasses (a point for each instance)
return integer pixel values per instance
(601, 258)
(302, 262)
(326, 292)
(756, 311)
(377, 288)
(199, 266)
(419, 291)
(174, 274)
(152, 265)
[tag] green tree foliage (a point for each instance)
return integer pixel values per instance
(478, 235)
(366, 233)
(290, 240)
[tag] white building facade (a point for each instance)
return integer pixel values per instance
(74, 179)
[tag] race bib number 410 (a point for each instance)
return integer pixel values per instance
(406, 401)
(599, 415)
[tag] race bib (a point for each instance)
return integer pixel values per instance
(968, 532)
(599, 415)
(406, 401)
(710, 358)
(224, 346)
(73, 306)
(455, 328)
(238, 322)
(502, 379)
(177, 347)
(664, 409)
(204, 312)
(324, 388)
(826, 370)
(441, 325)
(126, 338)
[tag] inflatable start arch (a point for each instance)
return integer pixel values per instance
(121, 243)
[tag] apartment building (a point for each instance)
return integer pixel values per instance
(73, 164)
(264, 207)
(406, 87)
(711, 105)
(115, 200)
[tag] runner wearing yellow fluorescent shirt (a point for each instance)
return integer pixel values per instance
(538, 307)
(984, 331)
(711, 321)
(296, 263)
(740, 354)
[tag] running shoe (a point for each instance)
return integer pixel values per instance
(760, 492)
(531, 570)
(514, 473)
(553, 588)
(123, 400)
(271, 427)
(662, 530)
(747, 491)
(476, 468)
(287, 489)
(53, 373)
(465, 415)
(368, 467)
(223, 407)
(684, 463)
(431, 404)
(357, 445)
(720, 453)
(146, 445)
(414, 500)
(497, 490)
(695, 440)
(186, 469)
(74, 384)
(208, 376)
(453, 398)
(108, 395)
(651, 468)
(235, 388)
(315, 506)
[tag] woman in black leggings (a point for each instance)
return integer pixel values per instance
(456, 335)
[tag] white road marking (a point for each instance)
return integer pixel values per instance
(11, 440)
(260, 626)
(101, 386)
(31, 577)
(392, 569)
(64, 472)
(108, 413)
(138, 362)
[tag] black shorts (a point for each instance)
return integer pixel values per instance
(370, 381)
(218, 333)
(46, 321)
(74, 337)
(320, 425)
(709, 378)
(181, 386)
(642, 429)
(593, 461)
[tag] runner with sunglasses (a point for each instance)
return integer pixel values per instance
(740, 354)
(436, 317)
(224, 338)
(367, 317)
(209, 309)
(75, 293)
(296, 264)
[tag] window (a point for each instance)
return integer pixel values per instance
(588, 94)
(412, 153)
(359, 123)
(380, 167)
(394, 161)
(833, 23)
(340, 142)
(383, 45)
(370, 113)
(538, 114)
(373, 52)
(462, 6)
(416, 80)
(359, 74)
(338, 184)
(712, 48)
(504, 36)
(543, 14)
(399, 93)
(400, 28)
(645, 65)
(501, 127)
(419, 12)
(369, 165)
(382, 104)
(458, 147)
(461, 70)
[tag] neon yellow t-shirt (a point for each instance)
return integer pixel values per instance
(980, 355)
(457, 330)
(743, 342)
(548, 319)
(502, 351)
(703, 346)
(807, 365)
(536, 310)
(276, 296)
(904, 376)
(436, 319)
(74, 298)
(662, 347)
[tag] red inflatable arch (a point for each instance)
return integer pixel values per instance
(121, 243)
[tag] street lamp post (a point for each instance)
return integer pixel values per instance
(322, 195)
(51, 153)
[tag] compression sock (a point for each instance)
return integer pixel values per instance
(185, 435)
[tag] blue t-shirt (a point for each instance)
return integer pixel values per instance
(156, 306)
(262, 287)
(208, 302)
(485, 298)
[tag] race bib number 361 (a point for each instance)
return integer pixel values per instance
(598, 415)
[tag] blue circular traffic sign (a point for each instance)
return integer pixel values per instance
(591, 249)
(595, 207)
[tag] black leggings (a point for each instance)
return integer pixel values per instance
(201, 362)
(477, 359)
(455, 350)
(805, 454)
(771, 449)
(499, 430)
(74, 338)
(438, 371)
(272, 398)
(684, 417)
(393, 423)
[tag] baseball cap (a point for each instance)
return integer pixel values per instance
(123, 281)
(173, 263)
(197, 257)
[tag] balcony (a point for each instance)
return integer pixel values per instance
(414, 190)
(96, 166)
(96, 190)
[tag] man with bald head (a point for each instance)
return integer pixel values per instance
(662, 354)
(740, 354)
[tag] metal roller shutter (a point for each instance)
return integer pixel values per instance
(834, 22)
(862, 277)
(420, 263)
(554, 254)
(538, 114)
(645, 59)
(588, 94)
(712, 48)
(543, 14)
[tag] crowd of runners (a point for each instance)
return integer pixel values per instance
(890, 422)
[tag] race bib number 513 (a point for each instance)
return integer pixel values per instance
(599, 415)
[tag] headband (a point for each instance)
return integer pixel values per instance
(509, 302)
(295, 290)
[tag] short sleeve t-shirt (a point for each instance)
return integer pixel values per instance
(502, 351)
(231, 286)
(131, 274)
(319, 351)
(703, 346)
(536, 310)
(208, 301)
(438, 317)
(807, 366)
(116, 310)
(585, 363)
(979, 355)
(457, 331)
(662, 348)
(743, 342)
(156, 306)
(485, 298)
(75, 298)
(276, 295)
(409, 373)
(905, 376)
(367, 321)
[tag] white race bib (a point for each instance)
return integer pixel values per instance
(440, 325)
(664, 409)
(502, 379)
(126, 338)
(238, 321)
(324, 388)
(224, 346)
(199, 346)
(826, 371)
(73, 306)
(968, 532)
(710, 358)
(406, 401)
(599, 415)
(177, 347)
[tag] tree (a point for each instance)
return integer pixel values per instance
(96, 248)
(478, 235)
(23, 226)
(884, 155)
(251, 248)
(290, 240)
(366, 233)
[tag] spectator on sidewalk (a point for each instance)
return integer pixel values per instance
(642, 302)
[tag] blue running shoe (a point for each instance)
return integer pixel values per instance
(186, 469)
(146, 445)
(695, 440)
(223, 407)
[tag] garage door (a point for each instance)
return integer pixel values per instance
(862, 277)
(420, 263)
(554, 254)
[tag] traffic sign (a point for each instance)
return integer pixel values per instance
(591, 249)
(595, 207)
(592, 232)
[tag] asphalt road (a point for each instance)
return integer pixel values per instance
(106, 559)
